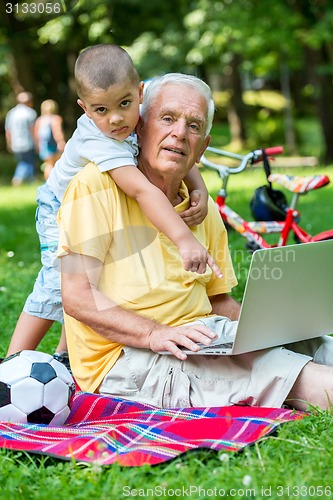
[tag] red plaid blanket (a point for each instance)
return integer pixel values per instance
(105, 430)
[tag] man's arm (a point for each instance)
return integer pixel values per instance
(225, 305)
(82, 300)
(8, 141)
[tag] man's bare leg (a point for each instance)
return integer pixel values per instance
(28, 333)
(314, 386)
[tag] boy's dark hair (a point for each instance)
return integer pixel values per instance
(100, 66)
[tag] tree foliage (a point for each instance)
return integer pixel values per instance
(234, 44)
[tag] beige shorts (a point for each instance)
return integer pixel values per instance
(260, 378)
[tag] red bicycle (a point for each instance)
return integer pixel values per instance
(269, 207)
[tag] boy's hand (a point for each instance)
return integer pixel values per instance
(198, 210)
(195, 257)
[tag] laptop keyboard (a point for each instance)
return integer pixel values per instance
(226, 345)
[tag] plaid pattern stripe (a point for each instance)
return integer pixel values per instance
(105, 430)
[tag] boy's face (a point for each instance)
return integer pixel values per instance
(114, 111)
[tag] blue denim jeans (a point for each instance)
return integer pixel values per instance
(45, 299)
(25, 168)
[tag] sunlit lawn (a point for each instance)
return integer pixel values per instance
(298, 456)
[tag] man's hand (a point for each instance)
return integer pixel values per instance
(166, 338)
(198, 209)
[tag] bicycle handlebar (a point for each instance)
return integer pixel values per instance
(275, 150)
(253, 157)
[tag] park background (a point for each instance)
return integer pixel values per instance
(270, 65)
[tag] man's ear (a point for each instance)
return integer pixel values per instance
(204, 147)
(138, 129)
(141, 87)
(82, 105)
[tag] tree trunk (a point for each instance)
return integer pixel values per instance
(23, 63)
(236, 110)
(322, 80)
(288, 113)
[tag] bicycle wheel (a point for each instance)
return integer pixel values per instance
(326, 239)
(297, 240)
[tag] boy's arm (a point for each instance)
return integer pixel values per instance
(161, 213)
(198, 196)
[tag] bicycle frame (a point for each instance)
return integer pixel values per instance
(252, 230)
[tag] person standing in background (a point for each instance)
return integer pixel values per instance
(19, 129)
(49, 136)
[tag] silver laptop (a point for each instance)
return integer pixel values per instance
(288, 297)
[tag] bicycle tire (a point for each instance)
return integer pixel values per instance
(298, 241)
(326, 239)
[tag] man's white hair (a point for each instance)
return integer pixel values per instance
(153, 87)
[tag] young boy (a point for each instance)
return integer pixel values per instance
(110, 94)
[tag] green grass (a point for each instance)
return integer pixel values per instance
(298, 456)
(19, 259)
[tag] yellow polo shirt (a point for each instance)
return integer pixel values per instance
(142, 269)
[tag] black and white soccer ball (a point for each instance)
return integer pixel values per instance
(35, 388)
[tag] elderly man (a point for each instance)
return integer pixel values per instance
(127, 297)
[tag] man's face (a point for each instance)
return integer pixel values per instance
(172, 137)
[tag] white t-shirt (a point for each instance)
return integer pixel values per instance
(87, 144)
(19, 121)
